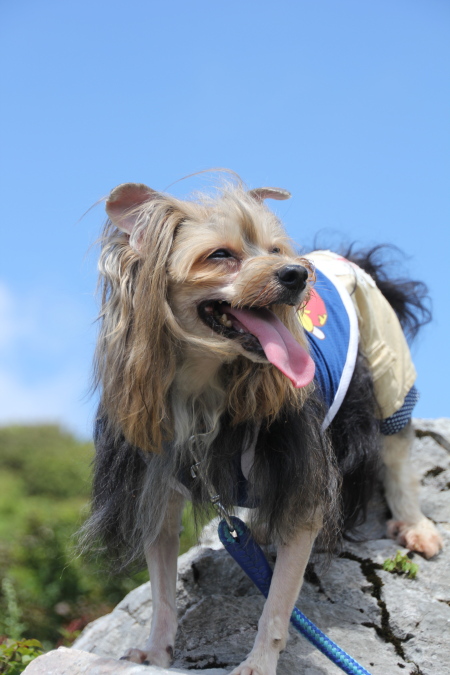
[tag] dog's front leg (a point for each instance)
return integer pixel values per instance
(273, 625)
(161, 558)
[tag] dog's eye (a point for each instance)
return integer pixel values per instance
(275, 250)
(220, 254)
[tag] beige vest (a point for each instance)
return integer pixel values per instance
(381, 337)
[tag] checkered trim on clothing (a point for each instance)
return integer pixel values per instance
(399, 420)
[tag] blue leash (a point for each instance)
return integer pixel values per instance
(251, 558)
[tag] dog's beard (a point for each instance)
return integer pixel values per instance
(260, 333)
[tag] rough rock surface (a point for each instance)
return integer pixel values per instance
(389, 623)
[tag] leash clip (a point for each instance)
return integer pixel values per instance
(193, 470)
(223, 513)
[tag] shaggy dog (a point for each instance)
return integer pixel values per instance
(208, 324)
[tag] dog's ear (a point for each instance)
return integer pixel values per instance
(123, 203)
(269, 193)
(137, 319)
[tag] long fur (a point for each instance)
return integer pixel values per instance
(149, 359)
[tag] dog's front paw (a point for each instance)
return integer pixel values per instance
(249, 668)
(257, 665)
(150, 657)
(422, 537)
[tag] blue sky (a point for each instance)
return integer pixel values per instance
(346, 104)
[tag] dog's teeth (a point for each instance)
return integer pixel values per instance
(228, 324)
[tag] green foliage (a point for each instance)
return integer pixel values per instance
(47, 591)
(50, 462)
(15, 655)
(10, 624)
(401, 564)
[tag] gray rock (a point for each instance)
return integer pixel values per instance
(440, 425)
(65, 661)
(421, 621)
(388, 623)
(438, 428)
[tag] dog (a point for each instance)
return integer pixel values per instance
(213, 347)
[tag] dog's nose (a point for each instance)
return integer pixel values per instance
(293, 277)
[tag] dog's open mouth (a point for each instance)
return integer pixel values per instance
(219, 316)
(261, 332)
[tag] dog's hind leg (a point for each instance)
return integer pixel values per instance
(273, 625)
(408, 525)
(161, 558)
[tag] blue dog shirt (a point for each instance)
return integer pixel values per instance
(331, 325)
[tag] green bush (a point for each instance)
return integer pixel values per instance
(15, 655)
(50, 462)
(48, 591)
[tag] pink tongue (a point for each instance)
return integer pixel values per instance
(278, 343)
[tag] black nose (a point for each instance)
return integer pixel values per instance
(293, 277)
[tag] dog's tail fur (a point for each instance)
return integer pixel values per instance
(408, 298)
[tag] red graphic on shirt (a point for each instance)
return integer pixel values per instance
(314, 315)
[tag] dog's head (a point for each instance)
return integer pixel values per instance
(214, 279)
